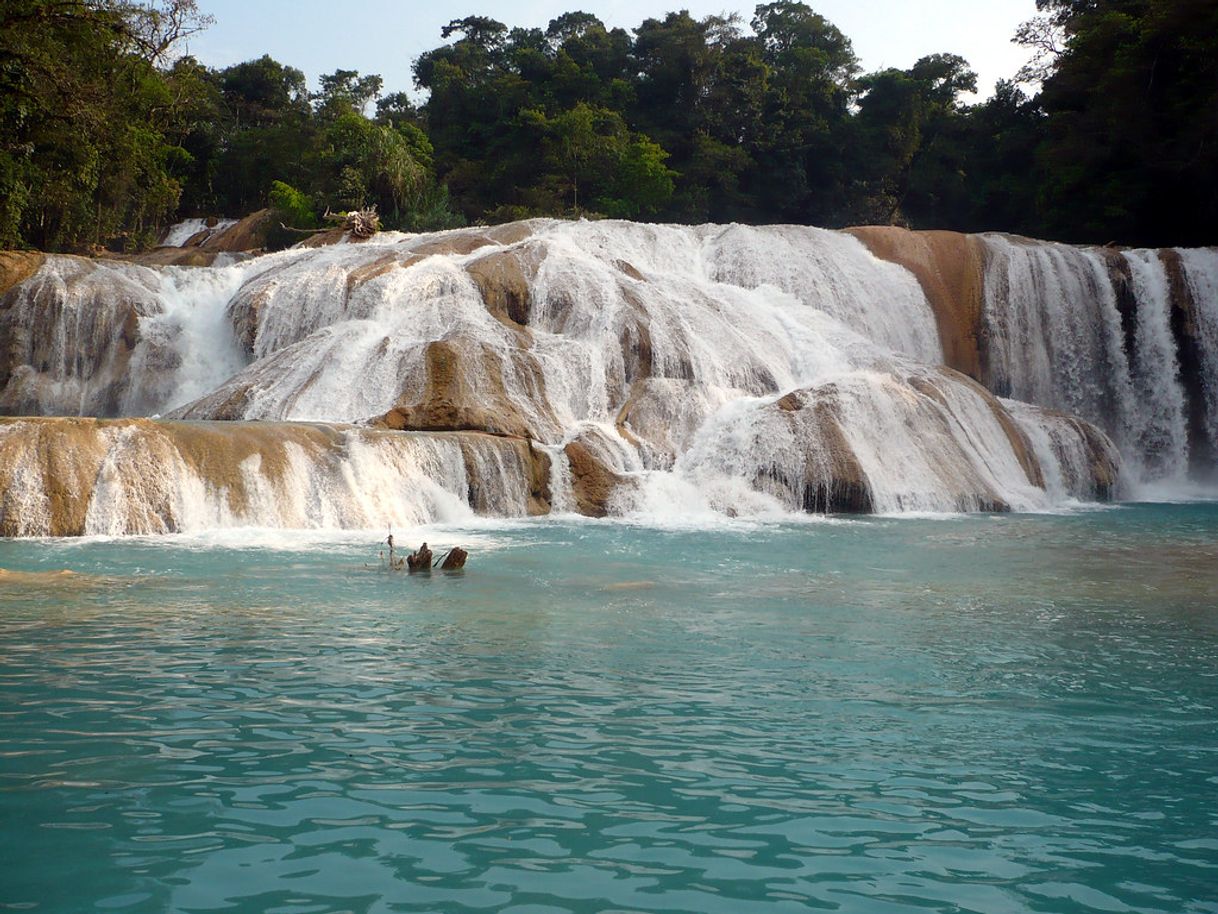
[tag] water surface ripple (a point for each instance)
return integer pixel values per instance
(979, 714)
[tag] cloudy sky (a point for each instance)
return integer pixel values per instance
(385, 36)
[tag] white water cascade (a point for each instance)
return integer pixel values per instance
(1159, 429)
(643, 369)
(198, 229)
(1201, 271)
(154, 478)
(1059, 336)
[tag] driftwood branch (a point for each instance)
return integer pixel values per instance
(361, 223)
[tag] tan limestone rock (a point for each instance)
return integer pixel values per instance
(592, 483)
(18, 266)
(950, 267)
(465, 391)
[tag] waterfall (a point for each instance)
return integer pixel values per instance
(872, 441)
(1161, 433)
(1201, 272)
(834, 273)
(1055, 335)
(607, 368)
(107, 338)
(1090, 332)
(1075, 465)
(198, 230)
(139, 477)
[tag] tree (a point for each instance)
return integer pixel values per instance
(88, 124)
(802, 144)
(396, 108)
(263, 92)
(1130, 148)
(903, 133)
(345, 91)
(156, 28)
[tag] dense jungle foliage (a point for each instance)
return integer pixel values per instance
(107, 133)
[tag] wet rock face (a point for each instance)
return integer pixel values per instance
(465, 390)
(248, 234)
(15, 268)
(18, 266)
(950, 267)
(592, 482)
(504, 280)
(71, 476)
(833, 481)
(69, 327)
(947, 445)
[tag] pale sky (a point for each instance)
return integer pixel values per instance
(385, 36)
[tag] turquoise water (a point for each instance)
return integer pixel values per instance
(990, 714)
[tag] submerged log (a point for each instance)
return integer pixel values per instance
(420, 560)
(455, 560)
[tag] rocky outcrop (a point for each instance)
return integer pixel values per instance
(592, 482)
(245, 236)
(15, 268)
(18, 266)
(504, 280)
(68, 477)
(832, 479)
(186, 256)
(48, 469)
(1016, 438)
(950, 267)
(840, 468)
(661, 417)
(68, 329)
(523, 460)
(248, 234)
(918, 440)
(464, 389)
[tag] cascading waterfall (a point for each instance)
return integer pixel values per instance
(69, 332)
(1055, 335)
(1060, 336)
(119, 339)
(198, 229)
(1201, 273)
(153, 478)
(1066, 453)
(834, 272)
(192, 327)
(1161, 431)
(604, 367)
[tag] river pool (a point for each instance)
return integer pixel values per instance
(986, 713)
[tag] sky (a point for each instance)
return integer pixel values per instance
(385, 36)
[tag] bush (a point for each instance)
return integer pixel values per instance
(290, 209)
